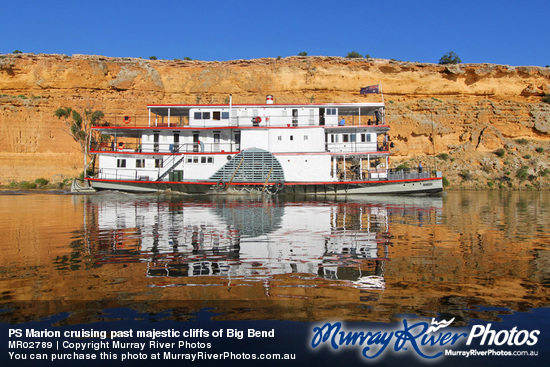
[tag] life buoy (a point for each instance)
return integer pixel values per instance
(126, 119)
(279, 185)
(257, 119)
(121, 146)
(221, 185)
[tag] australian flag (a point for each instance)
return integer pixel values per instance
(370, 89)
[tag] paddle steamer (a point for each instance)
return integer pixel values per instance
(318, 148)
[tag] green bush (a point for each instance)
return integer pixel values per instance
(25, 185)
(443, 156)
(546, 98)
(527, 156)
(500, 152)
(41, 182)
(450, 58)
(302, 54)
(539, 150)
(465, 175)
(521, 173)
(152, 58)
(353, 55)
(445, 182)
(522, 141)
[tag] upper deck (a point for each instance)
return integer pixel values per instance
(266, 115)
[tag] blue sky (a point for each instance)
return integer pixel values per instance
(500, 32)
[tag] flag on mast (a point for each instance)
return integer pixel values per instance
(371, 89)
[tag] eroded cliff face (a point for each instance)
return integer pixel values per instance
(463, 112)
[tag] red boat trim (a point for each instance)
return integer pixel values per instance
(158, 153)
(262, 183)
(331, 153)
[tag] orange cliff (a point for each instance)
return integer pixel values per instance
(462, 113)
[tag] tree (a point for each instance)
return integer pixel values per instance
(450, 58)
(80, 127)
(353, 55)
(302, 54)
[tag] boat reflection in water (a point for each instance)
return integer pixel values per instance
(295, 250)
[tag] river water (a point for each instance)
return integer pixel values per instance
(121, 261)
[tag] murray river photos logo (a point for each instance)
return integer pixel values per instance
(425, 340)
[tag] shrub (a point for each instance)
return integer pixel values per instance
(539, 150)
(546, 98)
(521, 173)
(445, 182)
(17, 52)
(152, 58)
(522, 141)
(353, 55)
(450, 58)
(302, 54)
(465, 175)
(527, 156)
(443, 156)
(41, 182)
(25, 185)
(500, 152)
(544, 172)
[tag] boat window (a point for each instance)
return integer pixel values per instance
(225, 115)
(331, 111)
(345, 138)
(363, 138)
(203, 159)
(198, 115)
(140, 163)
(121, 163)
(206, 115)
(210, 159)
(368, 137)
(195, 159)
(306, 137)
(158, 163)
(291, 137)
(190, 160)
(280, 138)
(352, 138)
(216, 115)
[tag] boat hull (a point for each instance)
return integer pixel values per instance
(418, 186)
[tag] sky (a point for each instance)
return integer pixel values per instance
(478, 31)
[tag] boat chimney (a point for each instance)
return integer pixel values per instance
(269, 99)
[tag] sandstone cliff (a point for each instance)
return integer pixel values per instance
(463, 112)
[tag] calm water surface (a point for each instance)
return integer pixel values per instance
(468, 255)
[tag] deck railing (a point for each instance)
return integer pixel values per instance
(122, 146)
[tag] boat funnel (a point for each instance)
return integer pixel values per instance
(269, 99)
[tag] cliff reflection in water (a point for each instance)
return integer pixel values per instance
(469, 255)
